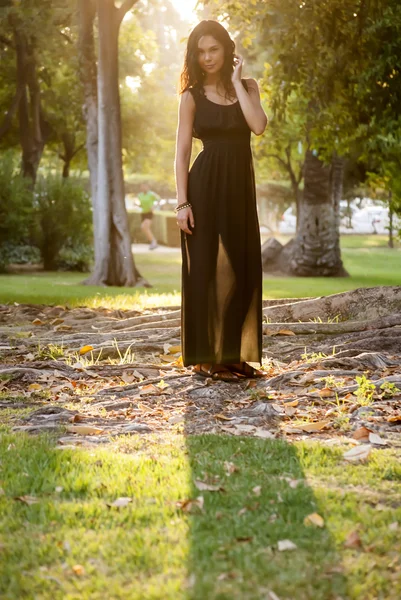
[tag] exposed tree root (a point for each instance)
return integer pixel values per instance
(309, 344)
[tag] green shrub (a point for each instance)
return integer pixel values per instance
(16, 210)
(78, 258)
(63, 222)
(18, 255)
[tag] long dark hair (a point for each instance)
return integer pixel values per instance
(192, 75)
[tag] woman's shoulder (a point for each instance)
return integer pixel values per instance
(188, 97)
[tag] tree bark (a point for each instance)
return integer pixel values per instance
(88, 75)
(315, 251)
(391, 220)
(31, 123)
(114, 263)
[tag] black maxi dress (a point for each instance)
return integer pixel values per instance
(221, 310)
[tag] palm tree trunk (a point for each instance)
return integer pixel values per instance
(315, 251)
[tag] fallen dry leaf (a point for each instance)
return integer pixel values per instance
(149, 389)
(38, 322)
(314, 519)
(85, 350)
(84, 429)
(162, 385)
(358, 453)
(374, 438)
(78, 570)
(316, 426)
(63, 328)
(27, 499)
(326, 392)
(361, 434)
(393, 526)
(223, 417)
(206, 487)
(283, 545)
(166, 358)
(191, 505)
(394, 419)
(57, 321)
(174, 349)
(285, 332)
(257, 490)
(230, 468)
(292, 403)
(120, 502)
(353, 540)
(264, 434)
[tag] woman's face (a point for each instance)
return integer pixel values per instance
(210, 54)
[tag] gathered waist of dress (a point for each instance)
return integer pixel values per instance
(241, 141)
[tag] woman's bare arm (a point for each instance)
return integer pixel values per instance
(186, 114)
(249, 100)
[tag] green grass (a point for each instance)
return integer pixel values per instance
(152, 550)
(368, 266)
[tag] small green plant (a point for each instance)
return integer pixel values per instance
(88, 360)
(124, 358)
(331, 382)
(313, 356)
(365, 391)
(335, 319)
(389, 389)
(341, 420)
(51, 351)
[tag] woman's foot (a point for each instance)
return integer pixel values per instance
(216, 372)
(242, 369)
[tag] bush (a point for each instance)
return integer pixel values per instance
(16, 210)
(18, 255)
(63, 223)
(78, 258)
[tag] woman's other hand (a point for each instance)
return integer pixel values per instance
(185, 216)
(237, 73)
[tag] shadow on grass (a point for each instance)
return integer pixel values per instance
(264, 500)
(62, 537)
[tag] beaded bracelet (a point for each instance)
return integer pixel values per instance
(181, 206)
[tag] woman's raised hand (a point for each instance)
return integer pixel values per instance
(185, 216)
(237, 73)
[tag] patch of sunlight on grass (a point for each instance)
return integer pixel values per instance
(138, 301)
(71, 542)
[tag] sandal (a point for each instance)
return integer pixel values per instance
(216, 372)
(244, 370)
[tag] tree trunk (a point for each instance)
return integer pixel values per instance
(114, 263)
(391, 220)
(315, 251)
(88, 74)
(30, 118)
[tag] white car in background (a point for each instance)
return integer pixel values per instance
(288, 221)
(372, 219)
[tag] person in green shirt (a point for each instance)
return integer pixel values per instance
(147, 198)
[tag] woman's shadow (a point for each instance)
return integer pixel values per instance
(251, 533)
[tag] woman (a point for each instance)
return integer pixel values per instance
(221, 314)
